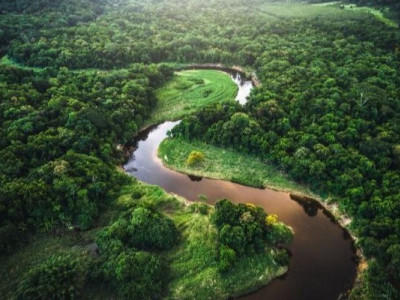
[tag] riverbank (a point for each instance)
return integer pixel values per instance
(194, 261)
(226, 164)
(194, 267)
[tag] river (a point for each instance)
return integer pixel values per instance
(323, 263)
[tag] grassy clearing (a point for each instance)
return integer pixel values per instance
(221, 163)
(6, 61)
(379, 15)
(330, 10)
(305, 11)
(189, 91)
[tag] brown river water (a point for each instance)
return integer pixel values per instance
(323, 263)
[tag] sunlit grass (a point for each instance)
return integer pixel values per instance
(226, 164)
(332, 10)
(189, 91)
(379, 15)
(6, 61)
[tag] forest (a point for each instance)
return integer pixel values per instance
(78, 80)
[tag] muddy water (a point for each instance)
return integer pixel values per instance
(323, 259)
(322, 265)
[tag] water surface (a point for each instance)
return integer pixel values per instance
(322, 265)
(323, 262)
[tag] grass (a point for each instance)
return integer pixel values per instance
(305, 11)
(327, 10)
(6, 61)
(379, 15)
(189, 91)
(226, 164)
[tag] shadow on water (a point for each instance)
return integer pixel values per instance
(195, 178)
(323, 263)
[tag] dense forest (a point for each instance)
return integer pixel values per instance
(77, 82)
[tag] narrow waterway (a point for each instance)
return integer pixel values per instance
(322, 265)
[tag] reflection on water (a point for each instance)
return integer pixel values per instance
(245, 87)
(310, 206)
(195, 178)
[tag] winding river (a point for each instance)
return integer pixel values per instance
(323, 263)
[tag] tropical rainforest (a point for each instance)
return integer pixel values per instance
(79, 79)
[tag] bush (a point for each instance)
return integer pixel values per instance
(279, 234)
(59, 277)
(200, 208)
(139, 275)
(195, 158)
(233, 237)
(227, 258)
(282, 257)
(151, 231)
(145, 230)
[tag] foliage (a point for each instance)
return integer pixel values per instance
(197, 262)
(242, 229)
(125, 264)
(136, 274)
(195, 158)
(271, 220)
(227, 258)
(151, 231)
(59, 136)
(142, 229)
(61, 276)
(327, 112)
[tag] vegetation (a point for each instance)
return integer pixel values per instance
(80, 79)
(189, 91)
(195, 158)
(60, 276)
(152, 247)
(227, 164)
(58, 143)
(203, 268)
(128, 261)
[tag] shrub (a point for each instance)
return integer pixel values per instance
(200, 208)
(227, 258)
(271, 219)
(233, 237)
(279, 234)
(282, 257)
(59, 277)
(195, 158)
(151, 231)
(139, 275)
(145, 230)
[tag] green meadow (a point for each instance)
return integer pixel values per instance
(189, 91)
